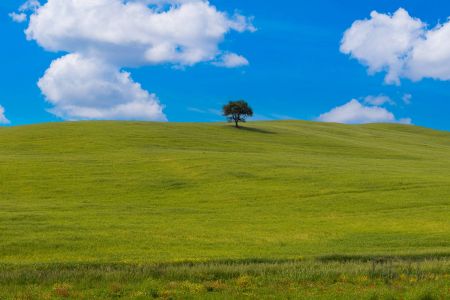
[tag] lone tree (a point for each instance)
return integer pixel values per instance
(237, 111)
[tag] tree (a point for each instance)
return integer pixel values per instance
(237, 111)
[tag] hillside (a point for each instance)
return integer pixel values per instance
(112, 191)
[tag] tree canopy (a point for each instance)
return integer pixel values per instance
(237, 111)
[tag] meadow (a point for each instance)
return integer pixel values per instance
(286, 209)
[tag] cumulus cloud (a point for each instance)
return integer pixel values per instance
(231, 60)
(18, 17)
(400, 45)
(378, 100)
(133, 33)
(21, 16)
(3, 119)
(87, 88)
(354, 112)
(113, 34)
(30, 5)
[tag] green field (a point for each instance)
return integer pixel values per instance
(97, 210)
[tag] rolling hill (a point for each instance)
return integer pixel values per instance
(102, 193)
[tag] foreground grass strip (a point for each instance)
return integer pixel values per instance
(398, 278)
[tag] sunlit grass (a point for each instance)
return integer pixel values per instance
(97, 194)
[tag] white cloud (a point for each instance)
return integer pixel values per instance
(430, 57)
(3, 119)
(132, 33)
(113, 34)
(383, 42)
(18, 17)
(231, 60)
(86, 88)
(30, 5)
(354, 112)
(401, 45)
(407, 99)
(378, 100)
(21, 16)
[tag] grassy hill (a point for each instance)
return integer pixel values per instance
(131, 193)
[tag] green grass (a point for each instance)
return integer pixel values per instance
(224, 280)
(79, 197)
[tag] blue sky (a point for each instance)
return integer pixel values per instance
(296, 69)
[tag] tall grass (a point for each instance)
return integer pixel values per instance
(402, 278)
